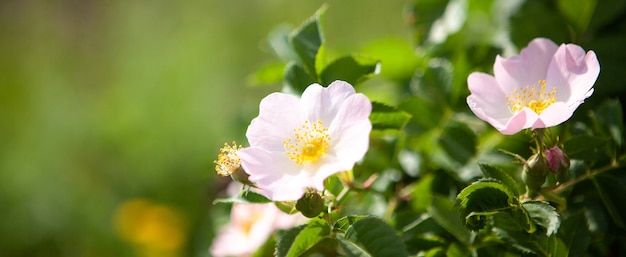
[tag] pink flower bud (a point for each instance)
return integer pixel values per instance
(557, 160)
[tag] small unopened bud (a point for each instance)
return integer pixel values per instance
(311, 204)
(535, 171)
(558, 162)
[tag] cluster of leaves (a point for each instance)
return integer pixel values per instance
(439, 182)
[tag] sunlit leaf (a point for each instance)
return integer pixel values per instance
(372, 237)
(298, 240)
(489, 171)
(484, 196)
(267, 75)
(344, 223)
(543, 214)
(387, 117)
(307, 40)
(352, 69)
(296, 79)
(421, 194)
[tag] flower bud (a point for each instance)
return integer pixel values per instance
(535, 171)
(558, 162)
(311, 204)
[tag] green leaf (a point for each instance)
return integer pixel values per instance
(574, 232)
(435, 82)
(269, 74)
(457, 250)
(421, 194)
(423, 14)
(543, 214)
(584, 147)
(267, 249)
(352, 69)
(484, 196)
(458, 141)
(386, 117)
(425, 114)
(613, 194)
(371, 237)
(577, 12)
(609, 120)
(298, 240)
(445, 214)
(508, 228)
(489, 171)
(344, 223)
(296, 79)
(308, 39)
(244, 197)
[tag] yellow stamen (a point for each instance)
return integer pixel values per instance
(309, 144)
(533, 97)
(228, 161)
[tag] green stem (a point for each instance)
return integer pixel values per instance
(539, 134)
(588, 175)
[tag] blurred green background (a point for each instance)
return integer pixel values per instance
(112, 112)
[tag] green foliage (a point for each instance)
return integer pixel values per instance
(307, 41)
(489, 171)
(371, 236)
(387, 117)
(484, 198)
(352, 69)
(298, 240)
(438, 181)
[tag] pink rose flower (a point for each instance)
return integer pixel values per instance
(539, 88)
(296, 143)
(250, 227)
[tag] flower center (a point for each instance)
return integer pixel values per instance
(310, 143)
(228, 161)
(533, 97)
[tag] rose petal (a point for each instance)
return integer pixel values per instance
(278, 116)
(555, 114)
(351, 128)
(527, 68)
(573, 72)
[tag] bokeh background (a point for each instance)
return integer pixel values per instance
(112, 112)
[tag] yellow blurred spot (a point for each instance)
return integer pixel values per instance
(154, 229)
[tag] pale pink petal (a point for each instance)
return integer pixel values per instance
(351, 128)
(278, 115)
(322, 103)
(280, 178)
(314, 101)
(555, 114)
(487, 95)
(573, 72)
(521, 120)
(331, 166)
(527, 68)
(250, 226)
